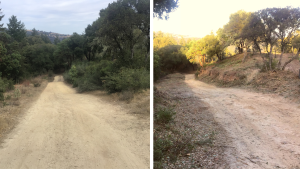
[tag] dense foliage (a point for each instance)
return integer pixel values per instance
(112, 54)
(264, 31)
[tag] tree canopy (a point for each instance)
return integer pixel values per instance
(162, 8)
(16, 29)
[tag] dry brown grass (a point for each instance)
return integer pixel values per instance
(12, 108)
(233, 73)
(138, 104)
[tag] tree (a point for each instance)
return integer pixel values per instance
(75, 44)
(56, 40)
(34, 32)
(253, 32)
(121, 29)
(39, 57)
(45, 38)
(63, 53)
(296, 44)
(16, 29)
(161, 39)
(172, 58)
(195, 54)
(162, 8)
(1, 17)
(288, 21)
(269, 27)
(182, 41)
(10, 58)
(234, 28)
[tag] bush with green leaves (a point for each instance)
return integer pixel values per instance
(164, 115)
(127, 79)
(161, 145)
(5, 85)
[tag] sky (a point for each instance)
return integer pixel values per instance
(59, 16)
(197, 18)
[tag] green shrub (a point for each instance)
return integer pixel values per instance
(164, 115)
(86, 84)
(73, 73)
(161, 145)
(89, 76)
(158, 154)
(8, 97)
(9, 84)
(67, 77)
(157, 165)
(50, 73)
(127, 79)
(4, 86)
(17, 93)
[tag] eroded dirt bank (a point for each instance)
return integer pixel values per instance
(64, 129)
(263, 129)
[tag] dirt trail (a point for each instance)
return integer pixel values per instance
(64, 129)
(264, 128)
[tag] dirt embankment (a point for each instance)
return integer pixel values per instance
(64, 129)
(233, 73)
(254, 130)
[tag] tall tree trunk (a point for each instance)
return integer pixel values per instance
(280, 58)
(270, 57)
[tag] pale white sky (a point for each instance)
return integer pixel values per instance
(198, 18)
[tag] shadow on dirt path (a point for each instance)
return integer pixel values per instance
(262, 129)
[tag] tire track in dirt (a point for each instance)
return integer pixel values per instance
(264, 128)
(64, 129)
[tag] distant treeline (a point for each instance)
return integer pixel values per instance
(264, 32)
(112, 54)
(50, 35)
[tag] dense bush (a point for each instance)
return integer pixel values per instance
(164, 115)
(172, 58)
(4, 86)
(104, 75)
(128, 79)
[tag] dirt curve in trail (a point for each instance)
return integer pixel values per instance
(264, 128)
(64, 129)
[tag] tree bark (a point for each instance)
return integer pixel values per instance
(280, 58)
(270, 57)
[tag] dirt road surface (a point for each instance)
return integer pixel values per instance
(264, 128)
(64, 129)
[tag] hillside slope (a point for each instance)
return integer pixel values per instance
(231, 72)
(51, 35)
